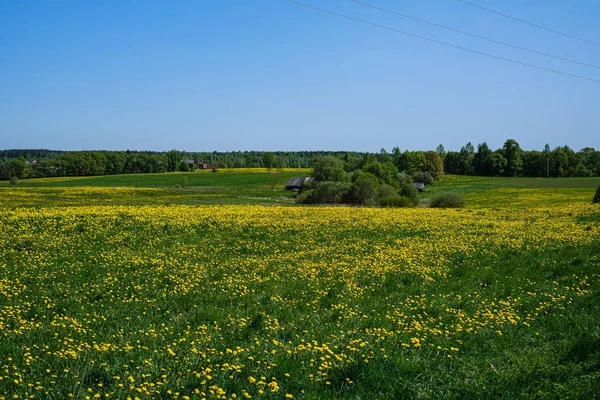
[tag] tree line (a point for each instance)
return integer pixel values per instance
(28, 163)
(509, 160)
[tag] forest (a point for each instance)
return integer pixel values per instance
(509, 161)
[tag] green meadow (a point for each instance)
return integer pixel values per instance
(218, 286)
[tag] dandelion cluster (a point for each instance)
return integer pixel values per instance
(243, 301)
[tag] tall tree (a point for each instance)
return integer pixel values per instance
(329, 168)
(173, 159)
(513, 154)
(498, 163)
(434, 165)
(268, 160)
(534, 163)
(467, 154)
(384, 156)
(441, 151)
(385, 172)
(411, 162)
(481, 160)
(559, 163)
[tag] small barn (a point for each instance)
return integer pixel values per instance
(419, 186)
(296, 183)
(204, 165)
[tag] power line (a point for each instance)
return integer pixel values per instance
(529, 23)
(444, 43)
(474, 35)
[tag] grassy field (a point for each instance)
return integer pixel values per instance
(245, 178)
(484, 192)
(114, 289)
(227, 186)
(258, 186)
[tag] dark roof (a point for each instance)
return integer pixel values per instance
(296, 183)
(419, 186)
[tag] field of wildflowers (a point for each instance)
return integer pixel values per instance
(248, 301)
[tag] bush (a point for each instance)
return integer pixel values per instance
(14, 180)
(214, 169)
(331, 192)
(309, 184)
(395, 201)
(387, 191)
(408, 190)
(448, 200)
(364, 189)
(184, 166)
(405, 178)
(596, 198)
(306, 197)
(423, 177)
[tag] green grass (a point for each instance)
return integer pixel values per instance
(243, 186)
(91, 296)
(239, 178)
(470, 184)
(483, 192)
(158, 286)
(223, 187)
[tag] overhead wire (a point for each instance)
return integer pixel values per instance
(528, 23)
(444, 43)
(474, 35)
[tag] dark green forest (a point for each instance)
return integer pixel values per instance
(509, 160)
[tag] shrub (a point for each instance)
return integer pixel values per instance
(184, 166)
(405, 178)
(395, 201)
(364, 189)
(387, 190)
(423, 177)
(408, 190)
(331, 192)
(308, 185)
(448, 200)
(214, 169)
(596, 198)
(14, 180)
(305, 197)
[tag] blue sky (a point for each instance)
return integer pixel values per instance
(270, 75)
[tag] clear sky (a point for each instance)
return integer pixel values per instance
(226, 75)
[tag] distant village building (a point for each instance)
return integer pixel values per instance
(419, 186)
(200, 165)
(296, 183)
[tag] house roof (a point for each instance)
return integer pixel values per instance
(297, 182)
(294, 182)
